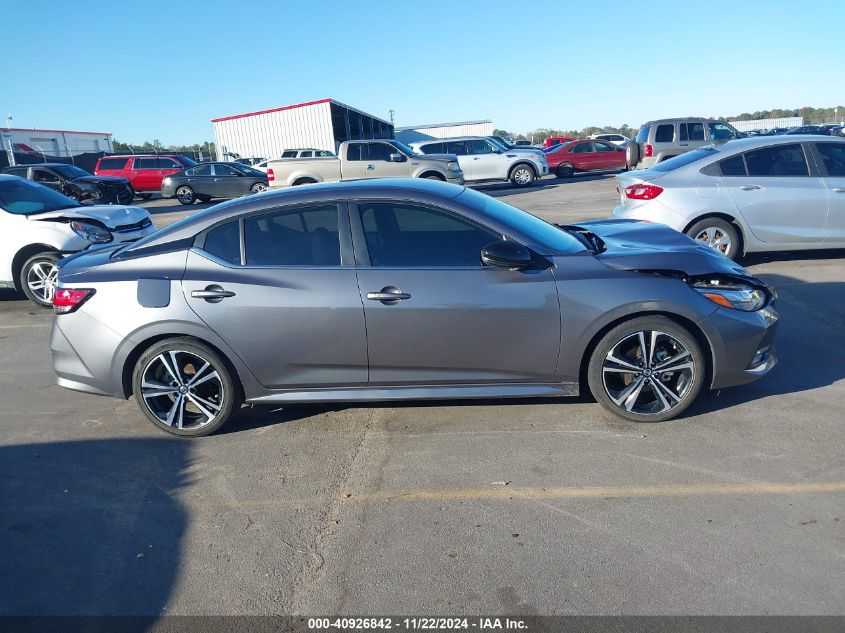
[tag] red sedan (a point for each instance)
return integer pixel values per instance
(586, 155)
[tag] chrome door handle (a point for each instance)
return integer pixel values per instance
(839, 189)
(371, 167)
(212, 294)
(750, 187)
(388, 295)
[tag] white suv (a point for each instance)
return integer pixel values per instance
(483, 159)
(38, 226)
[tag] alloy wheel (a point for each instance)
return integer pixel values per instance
(182, 390)
(648, 372)
(522, 176)
(42, 278)
(259, 187)
(185, 195)
(716, 238)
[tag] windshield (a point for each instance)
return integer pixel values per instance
(540, 232)
(502, 141)
(685, 159)
(404, 148)
(70, 172)
(23, 197)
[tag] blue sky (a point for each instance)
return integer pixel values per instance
(156, 69)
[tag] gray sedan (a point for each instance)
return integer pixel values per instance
(213, 180)
(403, 289)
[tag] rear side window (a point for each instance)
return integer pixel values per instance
(433, 148)
(642, 134)
(308, 154)
(112, 163)
(146, 163)
(353, 152)
(224, 242)
(199, 170)
(457, 147)
(582, 148)
(307, 236)
(833, 157)
(781, 160)
(734, 166)
(665, 133)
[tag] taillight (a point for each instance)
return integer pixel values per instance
(649, 150)
(67, 300)
(643, 192)
(270, 175)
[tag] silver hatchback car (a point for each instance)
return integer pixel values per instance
(771, 193)
(404, 289)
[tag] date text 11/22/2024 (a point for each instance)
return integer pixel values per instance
(415, 624)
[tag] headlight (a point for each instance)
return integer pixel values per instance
(453, 166)
(91, 232)
(733, 295)
(167, 180)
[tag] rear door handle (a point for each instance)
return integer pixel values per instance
(212, 294)
(750, 187)
(388, 295)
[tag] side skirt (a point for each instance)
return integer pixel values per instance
(425, 392)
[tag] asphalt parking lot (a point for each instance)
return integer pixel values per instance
(524, 507)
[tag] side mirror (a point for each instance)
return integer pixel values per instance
(506, 254)
(396, 157)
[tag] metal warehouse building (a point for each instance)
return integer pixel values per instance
(322, 124)
(54, 142)
(413, 133)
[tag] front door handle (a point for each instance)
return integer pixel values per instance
(212, 294)
(389, 295)
(750, 187)
(839, 189)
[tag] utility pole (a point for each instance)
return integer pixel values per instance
(7, 144)
(391, 117)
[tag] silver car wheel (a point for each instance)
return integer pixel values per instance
(648, 372)
(259, 187)
(41, 280)
(522, 176)
(182, 390)
(185, 195)
(716, 238)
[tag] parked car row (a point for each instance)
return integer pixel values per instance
(76, 183)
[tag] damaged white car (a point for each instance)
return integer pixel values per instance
(38, 226)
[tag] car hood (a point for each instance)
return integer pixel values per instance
(106, 180)
(111, 216)
(646, 246)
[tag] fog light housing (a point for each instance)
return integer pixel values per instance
(759, 357)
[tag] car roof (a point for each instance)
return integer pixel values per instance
(141, 156)
(452, 138)
(686, 118)
(762, 141)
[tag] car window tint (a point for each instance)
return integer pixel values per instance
(353, 152)
(665, 133)
(199, 170)
(306, 236)
(833, 157)
(308, 154)
(433, 148)
(720, 131)
(733, 166)
(457, 147)
(112, 163)
(603, 147)
(780, 160)
(410, 236)
(582, 148)
(146, 163)
(168, 163)
(44, 175)
(225, 170)
(322, 154)
(381, 151)
(16, 171)
(289, 154)
(480, 146)
(224, 242)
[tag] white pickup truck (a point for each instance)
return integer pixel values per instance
(380, 158)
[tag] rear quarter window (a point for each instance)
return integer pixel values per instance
(112, 163)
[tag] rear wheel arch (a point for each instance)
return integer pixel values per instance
(682, 321)
(303, 180)
(139, 349)
(24, 254)
(727, 217)
(433, 175)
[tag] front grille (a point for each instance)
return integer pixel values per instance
(126, 228)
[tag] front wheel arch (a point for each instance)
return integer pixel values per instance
(516, 166)
(24, 254)
(727, 218)
(691, 326)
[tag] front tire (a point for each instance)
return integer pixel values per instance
(38, 278)
(522, 176)
(719, 235)
(185, 195)
(185, 388)
(648, 369)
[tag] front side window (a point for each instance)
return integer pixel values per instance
(224, 242)
(691, 131)
(146, 163)
(665, 133)
(168, 163)
(403, 235)
(308, 154)
(833, 157)
(381, 151)
(480, 146)
(307, 236)
(780, 160)
(720, 132)
(199, 170)
(604, 147)
(45, 176)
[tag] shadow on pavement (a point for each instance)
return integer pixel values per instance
(91, 527)
(497, 189)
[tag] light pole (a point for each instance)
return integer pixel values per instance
(10, 150)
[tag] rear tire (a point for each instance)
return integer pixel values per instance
(565, 170)
(258, 187)
(38, 278)
(522, 175)
(657, 388)
(185, 195)
(719, 235)
(184, 387)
